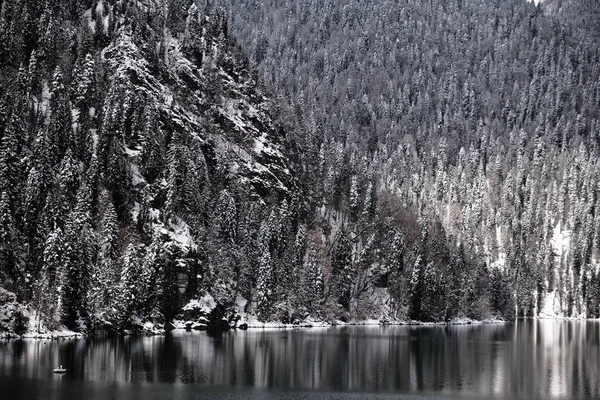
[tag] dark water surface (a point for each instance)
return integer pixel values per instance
(528, 359)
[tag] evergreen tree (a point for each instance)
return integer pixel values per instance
(416, 290)
(394, 274)
(9, 265)
(79, 255)
(129, 288)
(48, 294)
(501, 297)
(313, 280)
(10, 165)
(460, 286)
(227, 216)
(167, 291)
(342, 269)
(263, 284)
(83, 84)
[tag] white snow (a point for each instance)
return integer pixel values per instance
(35, 327)
(100, 11)
(44, 105)
(262, 145)
(105, 23)
(135, 212)
(94, 133)
(179, 233)
(259, 145)
(560, 241)
(500, 263)
(314, 323)
(240, 304)
(154, 214)
(551, 306)
(253, 322)
(100, 8)
(75, 119)
(234, 115)
(136, 176)
(168, 99)
(91, 23)
(205, 304)
(469, 321)
(150, 329)
(132, 152)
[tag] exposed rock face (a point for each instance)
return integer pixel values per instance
(207, 314)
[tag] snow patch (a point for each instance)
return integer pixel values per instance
(94, 133)
(136, 176)
(180, 233)
(560, 241)
(500, 263)
(75, 119)
(105, 23)
(46, 95)
(35, 328)
(100, 8)
(240, 305)
(551, 306)
(254, 323)
(91, 23)
(132, 152)
(205, 304)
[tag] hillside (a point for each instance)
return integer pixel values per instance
(480, 117)
(134, 137)
(350, 161)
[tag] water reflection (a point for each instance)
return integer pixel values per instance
(528, 359)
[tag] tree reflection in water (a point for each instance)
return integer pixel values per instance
(542, 359)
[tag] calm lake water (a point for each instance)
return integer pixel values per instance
(527, 359)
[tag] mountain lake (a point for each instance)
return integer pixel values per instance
(529, 359)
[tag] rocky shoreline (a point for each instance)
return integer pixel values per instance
(202, 314)
(178, 325)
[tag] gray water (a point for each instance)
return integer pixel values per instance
(528, 359)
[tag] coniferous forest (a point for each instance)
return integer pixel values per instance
(297, 160)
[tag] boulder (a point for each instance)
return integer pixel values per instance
(199, 326)
(217, 321)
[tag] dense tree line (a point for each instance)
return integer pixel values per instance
(413, 161)
(139, 161)
(482, 117)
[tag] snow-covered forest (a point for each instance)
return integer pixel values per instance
(297, 160)
(480, 118)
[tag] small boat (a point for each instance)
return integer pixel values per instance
(60, 370)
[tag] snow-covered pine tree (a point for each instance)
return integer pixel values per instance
(342, 269)
(129, 290)
(79, 256)
(263, 283)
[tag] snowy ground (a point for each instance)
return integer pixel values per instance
(199, 309)
(255, 324)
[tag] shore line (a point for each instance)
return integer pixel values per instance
(255, 325)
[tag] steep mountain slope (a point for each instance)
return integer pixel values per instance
(133, 137)
(437, 162)
(482, 117)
